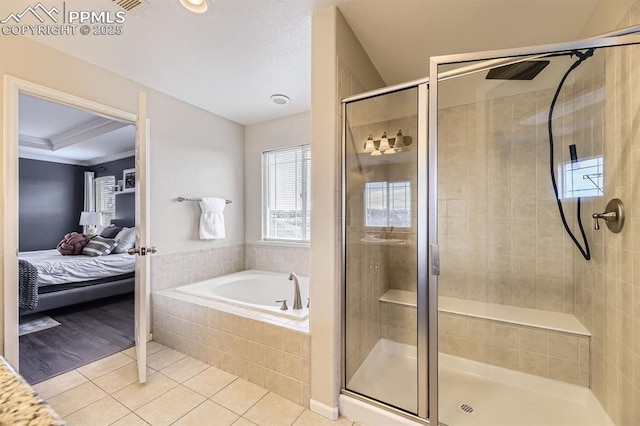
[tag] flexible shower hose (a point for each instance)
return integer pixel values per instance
(582, 56)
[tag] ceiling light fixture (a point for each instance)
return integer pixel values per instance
(196, 6)
(280, 99)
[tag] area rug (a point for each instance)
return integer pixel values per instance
(36, 324)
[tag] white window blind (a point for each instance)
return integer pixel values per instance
(387, 204)
(287, 193)
(105, 198)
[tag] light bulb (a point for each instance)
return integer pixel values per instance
(376, 153)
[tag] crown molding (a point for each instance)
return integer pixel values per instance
(83, 132)
(35, 142)
(108, 158)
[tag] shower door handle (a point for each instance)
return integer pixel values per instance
(435, 259)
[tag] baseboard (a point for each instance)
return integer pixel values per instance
(324, 410)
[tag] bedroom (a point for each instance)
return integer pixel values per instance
(72, 171)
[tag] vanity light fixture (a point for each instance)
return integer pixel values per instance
(387, 145)
(196, 6)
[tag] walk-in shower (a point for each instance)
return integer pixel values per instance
(476, 289)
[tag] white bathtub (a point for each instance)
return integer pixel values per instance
(255, 290)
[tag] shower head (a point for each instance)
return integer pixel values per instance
(526, 70)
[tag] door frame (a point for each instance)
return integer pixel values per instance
(12, 88)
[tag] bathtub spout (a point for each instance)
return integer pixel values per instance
(297, 303)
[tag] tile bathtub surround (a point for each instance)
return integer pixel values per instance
(278, 258)
(184, 392)
(266, 354)
(546, 353)
(176, 269)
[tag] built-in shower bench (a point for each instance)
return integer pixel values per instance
(548, 344)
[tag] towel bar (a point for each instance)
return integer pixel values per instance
(181, 199)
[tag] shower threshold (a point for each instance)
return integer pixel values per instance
(474, 393)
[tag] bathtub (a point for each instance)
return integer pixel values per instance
(254, 290)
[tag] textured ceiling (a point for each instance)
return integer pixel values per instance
(232, 59)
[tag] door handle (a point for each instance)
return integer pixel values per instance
(142, 251)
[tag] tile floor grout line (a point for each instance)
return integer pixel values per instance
(151, 400)
(299, 415)
(178, 419)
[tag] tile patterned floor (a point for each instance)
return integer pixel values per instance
(180, 390)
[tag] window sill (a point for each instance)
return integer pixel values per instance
(283, 243)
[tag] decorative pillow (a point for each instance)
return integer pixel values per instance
(99, 246)
(110, 231)
(126, 239)
(72, 244)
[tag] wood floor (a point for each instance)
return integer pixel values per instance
(86, 333)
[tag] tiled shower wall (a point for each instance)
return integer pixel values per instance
(500, 234)
(608, 287)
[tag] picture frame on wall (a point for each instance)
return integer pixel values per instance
(129, 180)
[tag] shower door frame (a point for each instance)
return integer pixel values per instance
(490, 59)
(427, 331)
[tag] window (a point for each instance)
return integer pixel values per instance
(387, 204)
(105, 198)
(583, 178)
(287, 194)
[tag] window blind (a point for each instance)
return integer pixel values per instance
(105, 198)
(287, 193)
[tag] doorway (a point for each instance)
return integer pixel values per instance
(15, 89)
(78, 307)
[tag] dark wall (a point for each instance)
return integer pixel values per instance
(51, 199)
(113, 168)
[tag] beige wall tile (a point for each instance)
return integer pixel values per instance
(567, 371)
(563, 346)
(532, 340)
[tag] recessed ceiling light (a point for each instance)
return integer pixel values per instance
(197, 6)
(280, 99)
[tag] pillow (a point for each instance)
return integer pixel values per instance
(110, 231)
(126, 239)
(99, 246)
(72, 244)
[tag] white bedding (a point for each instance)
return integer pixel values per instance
(54, 268)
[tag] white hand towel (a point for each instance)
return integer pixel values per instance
(212, 219)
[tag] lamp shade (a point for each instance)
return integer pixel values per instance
(89, 218)
(384, 142)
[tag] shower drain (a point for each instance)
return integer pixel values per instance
(466, 408)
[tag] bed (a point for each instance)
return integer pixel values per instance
(69, 280)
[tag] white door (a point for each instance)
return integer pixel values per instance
(142, 238)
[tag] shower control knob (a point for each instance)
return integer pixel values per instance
(613, 216)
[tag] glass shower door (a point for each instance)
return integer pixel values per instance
(530, 143)
(380, 248)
